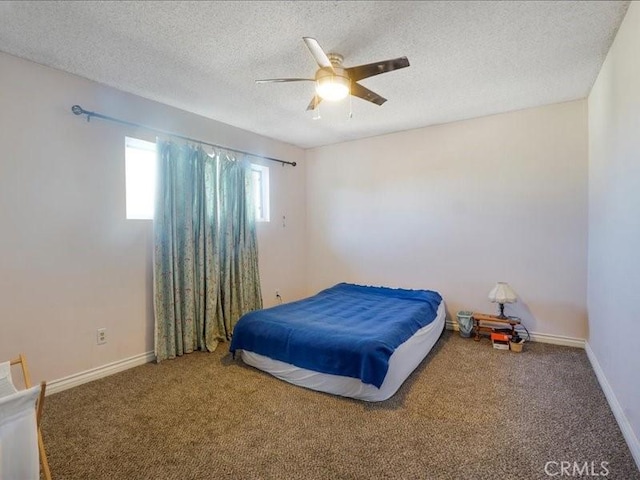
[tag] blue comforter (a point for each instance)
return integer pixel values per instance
(347, 330)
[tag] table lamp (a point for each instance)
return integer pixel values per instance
(502, 293)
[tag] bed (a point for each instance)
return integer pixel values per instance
(351, 340)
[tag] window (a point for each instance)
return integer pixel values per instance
(140, 179)
(260, 176)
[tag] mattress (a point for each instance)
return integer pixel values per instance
(348, 330)
(402, 362)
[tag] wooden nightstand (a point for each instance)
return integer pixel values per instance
(480, 318)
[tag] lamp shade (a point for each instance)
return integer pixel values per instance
(332, 88)
(502, 293)
(332, 84)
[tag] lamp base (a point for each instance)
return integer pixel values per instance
(502, 315)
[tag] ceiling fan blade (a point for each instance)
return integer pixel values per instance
(365, 71)
(318, 54)
(358, 90)
(315, 101)
(280, 80)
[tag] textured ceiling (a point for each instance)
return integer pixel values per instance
(468, 59)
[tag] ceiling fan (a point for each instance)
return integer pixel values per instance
(334, 82)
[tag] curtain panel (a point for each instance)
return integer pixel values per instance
(205, 250)
(239, 282)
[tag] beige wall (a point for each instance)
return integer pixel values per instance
(614, 223)
(458, 207)
(454, 207)
(69, 260)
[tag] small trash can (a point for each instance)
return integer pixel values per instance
(465, 323)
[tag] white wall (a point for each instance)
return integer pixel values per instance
(456, 208)
(69, 260)
(614, 225)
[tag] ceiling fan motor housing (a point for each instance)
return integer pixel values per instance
(335, 59)
(327, 72)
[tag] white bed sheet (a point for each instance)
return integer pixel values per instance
(403, 361)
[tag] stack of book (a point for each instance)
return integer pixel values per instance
(500, 340)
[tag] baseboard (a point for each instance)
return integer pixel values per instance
(76, 379)
(556, 339)
(616, 408)
(539, 337)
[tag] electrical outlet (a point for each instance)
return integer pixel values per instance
(102, 336)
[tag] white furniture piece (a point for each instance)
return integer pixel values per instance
(20, 435)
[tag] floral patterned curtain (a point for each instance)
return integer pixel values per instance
(239, 282)
(205, 253)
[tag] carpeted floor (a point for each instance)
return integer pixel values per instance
(468, 411)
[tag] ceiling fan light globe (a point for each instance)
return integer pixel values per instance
(332, 87)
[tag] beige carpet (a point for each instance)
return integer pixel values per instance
(468, 411)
